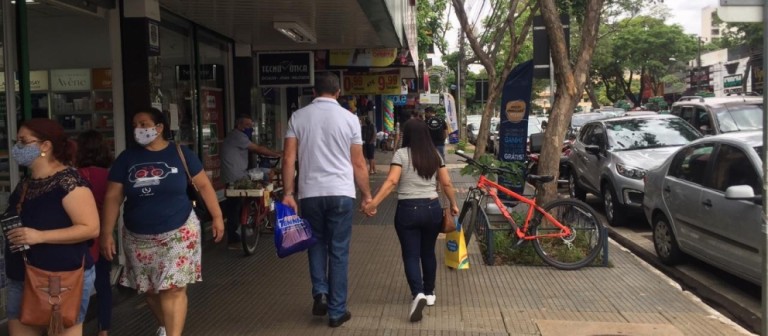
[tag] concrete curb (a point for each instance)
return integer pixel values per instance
(710, 296)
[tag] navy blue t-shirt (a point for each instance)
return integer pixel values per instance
(42, 209)
(155, 187)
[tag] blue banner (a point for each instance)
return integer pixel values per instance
(513, 127)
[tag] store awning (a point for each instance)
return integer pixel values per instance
(333, 24)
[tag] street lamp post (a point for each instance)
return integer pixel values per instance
(698, 61)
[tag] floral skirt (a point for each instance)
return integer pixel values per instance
(163, 261)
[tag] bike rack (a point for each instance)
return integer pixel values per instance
(483, 219)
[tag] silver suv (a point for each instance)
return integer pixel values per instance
(610, 157)
(717, 115)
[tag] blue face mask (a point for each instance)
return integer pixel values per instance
(25, 154)
(248, 132)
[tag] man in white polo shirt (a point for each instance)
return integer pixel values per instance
(327, 141)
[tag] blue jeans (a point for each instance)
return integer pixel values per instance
(16, 289)
(104, 292)
(331, 220)
(418, 222)
(441, 150)
(232, 206)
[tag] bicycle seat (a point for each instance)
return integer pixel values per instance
(540, 178)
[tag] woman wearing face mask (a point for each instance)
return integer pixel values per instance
(162, 234)
(58, 213)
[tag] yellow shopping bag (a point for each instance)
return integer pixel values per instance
(456, 249)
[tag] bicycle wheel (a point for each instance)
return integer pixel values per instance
(467, 218)
(250, 231)
(578, 249)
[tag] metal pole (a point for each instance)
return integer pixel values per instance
(763, 255)
(698, 77)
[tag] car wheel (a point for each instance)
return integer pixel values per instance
(614, 211)
(573, 188)
(665, 243)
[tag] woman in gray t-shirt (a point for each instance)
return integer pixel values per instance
(415, 171)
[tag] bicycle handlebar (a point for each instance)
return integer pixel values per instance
(483, 168)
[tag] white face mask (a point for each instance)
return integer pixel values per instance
(145, 136)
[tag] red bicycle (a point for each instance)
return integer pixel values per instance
(257, 213)
(566, 233)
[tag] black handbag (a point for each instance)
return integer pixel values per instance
(198, 204)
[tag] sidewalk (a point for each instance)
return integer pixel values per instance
(265, 295)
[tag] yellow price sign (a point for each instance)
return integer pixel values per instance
(378, 84)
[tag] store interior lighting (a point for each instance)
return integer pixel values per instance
(295, 31)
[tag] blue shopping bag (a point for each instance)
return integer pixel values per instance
(292, 233)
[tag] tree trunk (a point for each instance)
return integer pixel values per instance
(591, 93)
(570, 85)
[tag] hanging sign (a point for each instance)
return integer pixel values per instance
(102, 79)
(285, 69)
(375, 84)
(71, 80)
(362, 57)
(38, 80)
(397, 100)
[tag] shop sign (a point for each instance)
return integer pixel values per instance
(2, 82)
(102, 79)
(397, 100)
(732, 81)
(376, 84)
(38, 80)
(429, 99)
(285, 69)
(362, 57)
(71, 80)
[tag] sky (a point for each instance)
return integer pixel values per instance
(686, 13)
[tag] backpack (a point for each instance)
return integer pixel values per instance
(367, 133)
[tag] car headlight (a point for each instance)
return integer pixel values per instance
(629, 171)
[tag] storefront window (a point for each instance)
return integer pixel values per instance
(214, 58)
(176, 50)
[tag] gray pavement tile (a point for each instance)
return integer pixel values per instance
(265, 295)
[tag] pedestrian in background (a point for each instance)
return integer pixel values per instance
(369, 142)
(438, 130)
(92, 161)
(326, 140)
(161, 237)
(415, 171)
(59, 218)
(234, 166)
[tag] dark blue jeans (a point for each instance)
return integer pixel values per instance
(104, 292)
(441, 150)
(232, 207)
(331, 220)
(418, 222)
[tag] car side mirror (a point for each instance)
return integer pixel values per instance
(592, 149)
(741, 193)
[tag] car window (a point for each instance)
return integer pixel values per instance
(690, 164)
(686, 112)
(630, 134)
(703, 122)
(732, 167)
(585, 136)
(598, 136)
(740, 118)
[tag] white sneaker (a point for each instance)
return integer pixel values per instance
(417, 306)
(431, 300)
(160, 331)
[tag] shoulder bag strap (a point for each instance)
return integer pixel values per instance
(186, 169)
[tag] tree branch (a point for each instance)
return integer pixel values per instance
(485, 60)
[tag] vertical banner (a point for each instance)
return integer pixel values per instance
(451, 115)
(513, 130)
